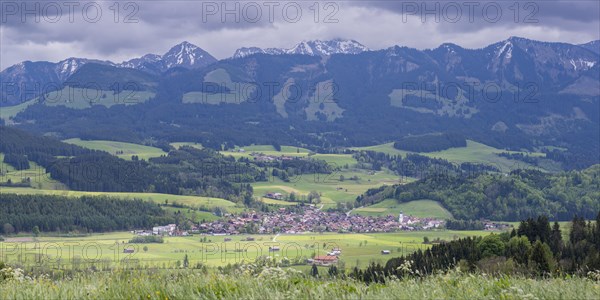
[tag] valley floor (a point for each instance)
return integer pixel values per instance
(107, 250)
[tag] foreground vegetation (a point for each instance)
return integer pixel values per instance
(279, 284)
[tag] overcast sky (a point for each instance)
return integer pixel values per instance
(103, 30)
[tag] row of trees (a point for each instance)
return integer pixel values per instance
(185, 171)
(418, 166)
(17, 161)
(431, 142)
(534, 249)
(87, 213)
(516, 196)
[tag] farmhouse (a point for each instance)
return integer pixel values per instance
(128, 250)
(325, 260)
(335, 252)
(276, 196)
(385, 252)
(160, 230)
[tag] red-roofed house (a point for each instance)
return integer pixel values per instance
(325, 260)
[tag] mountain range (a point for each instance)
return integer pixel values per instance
(316, 47)
(513, 94)
(26, 75)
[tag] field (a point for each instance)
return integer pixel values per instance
(331, 188)
(323, 102)
(8, 112)
(333, 159)
(181, 144)
(221, 90)
(126, 150)
(417, 208)
(194, 284)
(81, 98)
(267, 150)
(192, 201)
(474, 152)
(358, 249)
(37, 175)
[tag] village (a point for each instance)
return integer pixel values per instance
(308, 219)
(301, 220)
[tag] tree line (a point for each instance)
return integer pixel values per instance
(535, 249)
(85, 214)
(502, 197)
(430, 142)
(416, 165)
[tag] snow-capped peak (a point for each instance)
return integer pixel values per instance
(69, 66)
(505, 50)
(184, 54)
(313, 48)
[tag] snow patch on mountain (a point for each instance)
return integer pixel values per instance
(313, 48)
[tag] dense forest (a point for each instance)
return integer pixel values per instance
(430, 142)
(417, 166)
(187, 170)
(166, 120)
(534, 249)
(85, 214)
(511, 197)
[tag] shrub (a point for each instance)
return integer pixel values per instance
(491, 245)
(147, 239)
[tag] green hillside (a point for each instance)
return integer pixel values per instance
(417, 208)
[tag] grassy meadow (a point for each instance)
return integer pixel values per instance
(191, 201)
(237, 92)
(331, 188)
(106, 249)
(9, 112)
(474, 152)
(37, 175)
(81, 98)
(417, 208)
(178, 145)
(124, 150)
(276, 284)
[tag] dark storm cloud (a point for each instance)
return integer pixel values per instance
(134, 28)
(465, 16)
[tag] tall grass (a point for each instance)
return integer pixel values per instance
(188, 284)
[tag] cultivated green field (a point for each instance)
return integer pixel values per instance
(38, 177)
(193, 215)
(128, 149)
(181, 144)
(192, 201)
(267, 150)
(330, 187)
(417, 208)
(275, 201)
(357, 249)
(474, 152)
